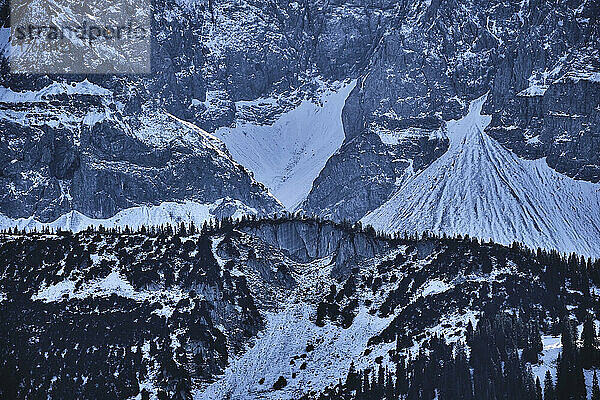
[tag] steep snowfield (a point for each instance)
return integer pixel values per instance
(135, 217)
(288, 155)
(285, 338)
(479, 188)
(281, 348)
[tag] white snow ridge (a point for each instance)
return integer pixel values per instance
(135, 217)
(481, 189)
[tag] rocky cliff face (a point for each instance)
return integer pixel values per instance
(538, 61)
(305, 241)
(102, 144)
(418, 64)
(545, 95)
(99, 160)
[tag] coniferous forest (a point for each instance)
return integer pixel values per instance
(166, 312)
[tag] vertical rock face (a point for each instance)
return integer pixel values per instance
(306, 241)
(118, 142)
(538, 61)
(571, 128)
(106, 169)
(545, 98)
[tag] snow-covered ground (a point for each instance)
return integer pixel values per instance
(289, 154)
(552, 348)
(290, 329)
(479, 188)
(168, 212)
(113, 283)
(434, 286)
(285, 339)
(84, 87)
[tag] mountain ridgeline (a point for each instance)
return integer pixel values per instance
(289, 307)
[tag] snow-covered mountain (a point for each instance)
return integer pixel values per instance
(331, 106)
(372, 119)
(432, 59)
(483, 190)
(267, 309)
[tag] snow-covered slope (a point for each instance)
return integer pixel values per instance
(288, 155)
(286, 337)
(135, 217)
(479, 188)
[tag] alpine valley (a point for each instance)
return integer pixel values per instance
(312, 199)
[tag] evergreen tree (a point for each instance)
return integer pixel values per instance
(353, 378)
(469, 332)
(366, 390)
(463, 375)
(538, 389)
(595, 388)
(389, 386)
(535, 341)
(589, 351)
(549, 393)
(401, 378)
(570, 384)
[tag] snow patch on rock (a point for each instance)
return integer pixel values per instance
(84, 87)
(284, 339)
(288, 155)
(113, 283)
(433, 287)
